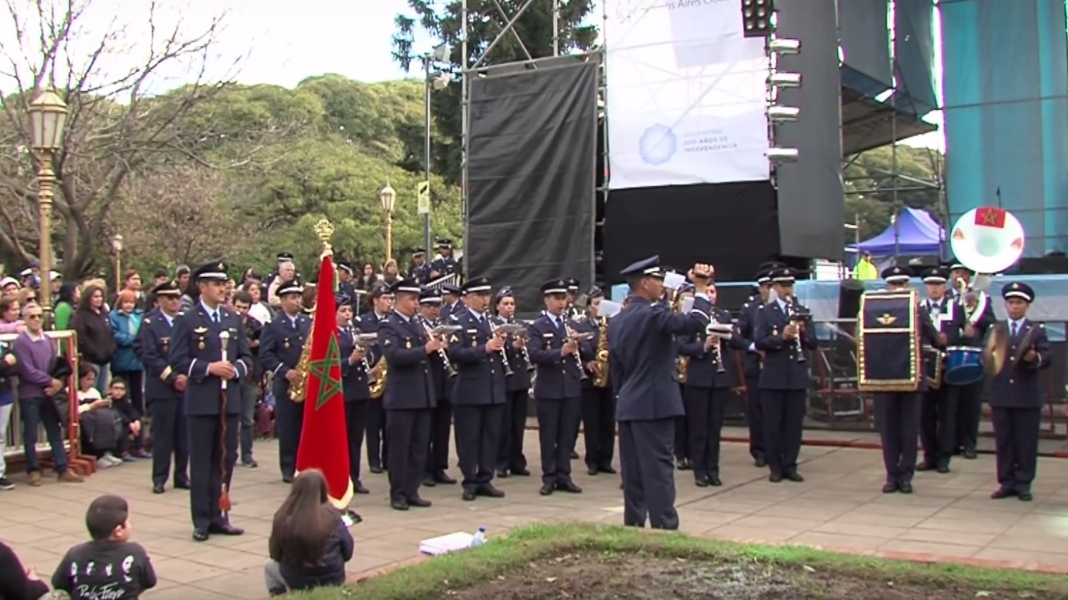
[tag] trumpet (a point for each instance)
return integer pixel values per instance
(502, 332)
(439, 333)
(572, 336)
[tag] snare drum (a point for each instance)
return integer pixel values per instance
(964, 365)
(933, 361)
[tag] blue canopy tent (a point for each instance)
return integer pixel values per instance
(913, 233)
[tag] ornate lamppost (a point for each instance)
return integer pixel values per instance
(116, 252)
(47, 122)
(387, 196)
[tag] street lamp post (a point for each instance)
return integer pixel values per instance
(47, 121)
(116, 251)
(387, 197)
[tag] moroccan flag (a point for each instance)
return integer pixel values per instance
(323, 439)
(990, 216)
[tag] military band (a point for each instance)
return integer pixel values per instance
(472, 370)
(979, 316)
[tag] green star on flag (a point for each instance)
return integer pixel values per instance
(329, 385)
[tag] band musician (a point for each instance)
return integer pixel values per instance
(355, 365)
(782, 334)
(598, 403)
(979, 316)
(510, 457)
(443, 375)
(1016, 351)
(939, 406)
(894, 357)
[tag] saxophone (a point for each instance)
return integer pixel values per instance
(600, 379)
(296, 390)
(378, 386)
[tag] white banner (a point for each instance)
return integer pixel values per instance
(686, 94)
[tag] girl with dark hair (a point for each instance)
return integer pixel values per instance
(309, 543)
(96, 341)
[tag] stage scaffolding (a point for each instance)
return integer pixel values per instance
(481, 65)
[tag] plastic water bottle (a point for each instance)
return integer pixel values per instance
(479, 538)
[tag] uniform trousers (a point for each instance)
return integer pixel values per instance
(478, 431)
(704, 415)
(784, 417)
(377, 442)
(969, 413)
(648, 470)
(207, 469)
(938, 425)
(409, 436)
(556, 420)
(169, 438)
(1016, 442)
(599, 426)
(355, 423)
(510, 455)
(898, 416)
(437, 458)
(288, 423)
(754, 417)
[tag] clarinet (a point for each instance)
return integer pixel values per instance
(578, 360)
(449, 369)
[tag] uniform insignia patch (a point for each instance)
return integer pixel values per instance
(200, 330)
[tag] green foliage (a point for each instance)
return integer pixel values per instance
(869, 186)
(533, 38)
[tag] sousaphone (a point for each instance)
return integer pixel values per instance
(987, 240)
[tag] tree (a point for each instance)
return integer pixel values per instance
(441, 21)
(870, 179)
(114, 126)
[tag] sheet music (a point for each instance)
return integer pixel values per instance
(673, 280)
(609, 309)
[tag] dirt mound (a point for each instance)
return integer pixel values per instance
(638, 577)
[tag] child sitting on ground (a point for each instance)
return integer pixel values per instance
(309, 543)
(118, 392)
(109, 565)
(97, 420)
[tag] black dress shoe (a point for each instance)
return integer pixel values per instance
(592, 471)
(700, 482)
(760, 462)
(684, 464)
(1002, 493)
(419, 503)
(428, 481)
(775, 478)
(225, 529)
(795, 476)
(502, 473)
(574, 455)
(443, 478)
(521, 472)
(942, 469)
(924, 466)
(398, 505)
(200, 535)
(181, 485)
(287, 479)
(569, 487)
(359, 489)
(607, 469)
(889, 487)
(250, 463)
(1025, 496)
(547, 489)
(905, 488)
(714, 481)
(489, 491)
(157, 488)
(468, 495)
(970, 453)
(376, 469)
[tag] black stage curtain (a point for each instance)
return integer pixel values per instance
(532, 141)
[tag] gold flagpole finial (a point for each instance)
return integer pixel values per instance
(324, 230)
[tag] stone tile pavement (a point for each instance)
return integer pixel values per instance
(839, 506)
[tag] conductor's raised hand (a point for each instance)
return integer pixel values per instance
(701, 272)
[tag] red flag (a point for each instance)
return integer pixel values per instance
(990, 216)
(324, 439)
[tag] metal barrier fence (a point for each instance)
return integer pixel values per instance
(66, 343)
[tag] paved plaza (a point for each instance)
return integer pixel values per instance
(839, 506)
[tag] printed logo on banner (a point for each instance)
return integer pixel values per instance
(686, 94)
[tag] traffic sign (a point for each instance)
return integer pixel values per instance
(423, 197)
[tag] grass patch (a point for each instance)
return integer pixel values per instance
(524, 545)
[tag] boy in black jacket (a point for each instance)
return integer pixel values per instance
(131, 421)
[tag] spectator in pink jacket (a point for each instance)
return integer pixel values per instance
(9, 316)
